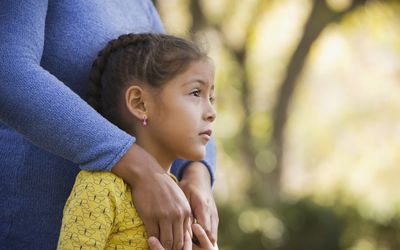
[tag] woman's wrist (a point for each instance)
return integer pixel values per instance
(197, 173)
(135, 164)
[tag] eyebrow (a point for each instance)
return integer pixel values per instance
(194, 80)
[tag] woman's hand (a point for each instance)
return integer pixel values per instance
(159, 201)
(196, 185)
(204, 242)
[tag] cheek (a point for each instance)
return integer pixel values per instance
(188, 114)
(177, 114)
(166, 117)
(181, 120)
(182, 109)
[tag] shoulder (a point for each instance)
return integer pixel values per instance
(96, 181)
(153, 16)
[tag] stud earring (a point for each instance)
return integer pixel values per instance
(144, 121)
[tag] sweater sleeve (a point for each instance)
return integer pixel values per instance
(210, 161)
(154, 18)
(39, 106)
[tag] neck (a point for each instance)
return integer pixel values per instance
(163, 158)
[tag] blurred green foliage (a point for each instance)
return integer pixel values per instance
(322, 173)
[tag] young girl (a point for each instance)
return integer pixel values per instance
(160, 89)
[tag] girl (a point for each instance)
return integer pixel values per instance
(159, 88)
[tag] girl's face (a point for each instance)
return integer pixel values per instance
(180, 117)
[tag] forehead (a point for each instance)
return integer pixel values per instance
(201, 71)
(198, 72)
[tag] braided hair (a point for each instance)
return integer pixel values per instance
(146, 58)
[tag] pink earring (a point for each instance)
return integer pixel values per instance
(144, 121)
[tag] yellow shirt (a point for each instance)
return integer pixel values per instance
(99, 214)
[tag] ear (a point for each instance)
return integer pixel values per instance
(135, 101)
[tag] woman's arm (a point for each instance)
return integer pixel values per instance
(38, 105)
(196, 185)
(210, 162)
(196, 180)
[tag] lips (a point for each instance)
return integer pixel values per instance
(206, 132)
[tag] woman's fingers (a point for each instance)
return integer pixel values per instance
(214, 229)
(188, 223)
(204, 242)
(188, 242)
(203, 217)
(166, 236)
(179, 234)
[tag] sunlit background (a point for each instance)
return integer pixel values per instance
(308, 127)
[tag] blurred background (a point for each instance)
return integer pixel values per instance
(308, 127)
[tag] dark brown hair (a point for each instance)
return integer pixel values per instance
(147, 58)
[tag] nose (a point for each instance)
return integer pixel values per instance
(210, 113)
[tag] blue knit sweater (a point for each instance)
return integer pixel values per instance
(47, 132)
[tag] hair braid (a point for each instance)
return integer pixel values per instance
(95, 86)
(147, 58)
(94, 94)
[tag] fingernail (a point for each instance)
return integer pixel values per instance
(151, 240)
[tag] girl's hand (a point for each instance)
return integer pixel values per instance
(155, 244)
(204, 242)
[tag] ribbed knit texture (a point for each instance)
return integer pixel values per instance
(47, 132)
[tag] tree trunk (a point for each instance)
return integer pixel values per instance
(321, 16)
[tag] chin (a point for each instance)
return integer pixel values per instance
(195, 155)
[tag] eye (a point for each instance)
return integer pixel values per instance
(196, 93)
(212, 99)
